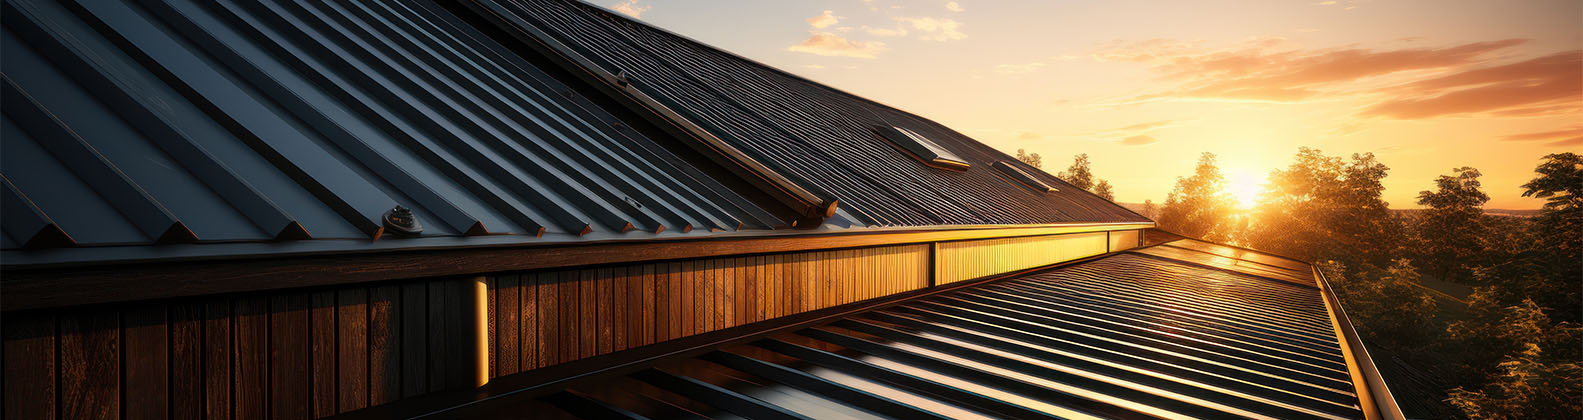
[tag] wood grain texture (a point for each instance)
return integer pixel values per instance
(384, 344)
(219, 358)
(439, 294)
(250, 375)
(507, 341)
(29, 352)
(547, 337)
(291, 346)
(146, 361)
(322, 330)
(90, 363)
(414, 338)
(186, 361)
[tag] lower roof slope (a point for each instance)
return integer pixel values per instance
(823, 139)
(1131, 335)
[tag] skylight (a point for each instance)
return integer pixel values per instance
(921, 148)
(1023, 178)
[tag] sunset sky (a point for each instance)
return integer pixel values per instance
(1143, 87)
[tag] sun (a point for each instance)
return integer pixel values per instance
(1244, 186)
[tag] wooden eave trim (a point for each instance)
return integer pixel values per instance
(30, 288)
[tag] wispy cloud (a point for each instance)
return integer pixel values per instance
(631, 8)
(1564, 137)
(825, 43)
(1139, 140)
(1029, 135)
(1018, 68)
(824, 20)
(1400, 83)
(1545, 85)
(1132, 134)
(832, 45)
(953, 6)
(934, 29)
(887, 32)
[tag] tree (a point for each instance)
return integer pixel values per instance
(1545, 265)
(1452, 228)
(1102, 189)
(1078, 174)
(1199, 207)
(1394, 309)
(1150, 210)
(1325, 208)
(1031, 159)
(1537, 377)
(1560, 183)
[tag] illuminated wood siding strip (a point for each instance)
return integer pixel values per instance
(641, 304)
(1124, 239)
(967, 260)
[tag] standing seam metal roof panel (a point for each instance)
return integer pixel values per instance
(822, 138)
(138, 122)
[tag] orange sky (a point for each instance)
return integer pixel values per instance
(1143, 87)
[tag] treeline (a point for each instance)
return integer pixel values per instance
(1509, 349)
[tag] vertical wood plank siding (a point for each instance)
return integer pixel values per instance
(1124, 239)
(303, 354)
(277, 355)
(967, 260)
(636, 305)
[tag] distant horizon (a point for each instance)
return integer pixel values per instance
(1425, 87)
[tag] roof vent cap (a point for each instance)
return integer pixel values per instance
(402, 222)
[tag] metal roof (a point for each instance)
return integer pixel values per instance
(821, 138)
(1131, 335)
(179, 121)
(232, 128)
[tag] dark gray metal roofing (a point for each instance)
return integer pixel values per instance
(821, 138)
(1131, 335)
(234, 128)
(143, 122)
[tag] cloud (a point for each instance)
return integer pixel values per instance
(631, 8)
(832, 45)
(952, 6)
(1139, 140)
(934, 29)
(824, 20)
(1028, 135)
(814, 66)
(1544, 85)
(1564, 137)
(1403, 83)
(1018, 68)
(898, 31)
(1131, 129)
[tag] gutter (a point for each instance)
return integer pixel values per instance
(1374, 397)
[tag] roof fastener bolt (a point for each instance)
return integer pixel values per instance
(622, 79)
(402, 222)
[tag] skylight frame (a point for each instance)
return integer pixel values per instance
(924, 150)
(1023, 178)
